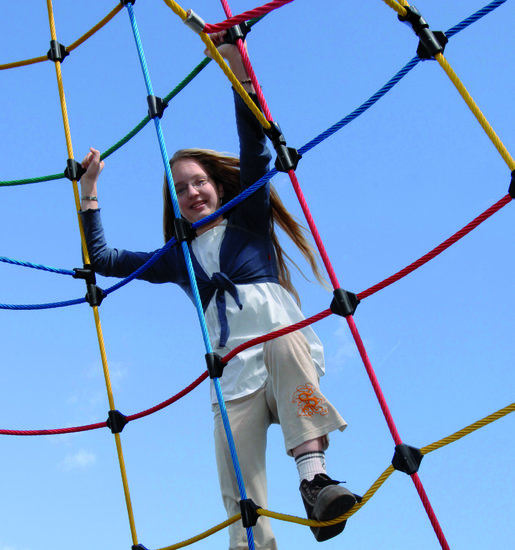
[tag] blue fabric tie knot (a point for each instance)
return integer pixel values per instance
(223, 284)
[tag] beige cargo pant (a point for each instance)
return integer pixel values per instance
(290, 397)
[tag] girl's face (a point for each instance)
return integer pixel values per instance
(197, 194)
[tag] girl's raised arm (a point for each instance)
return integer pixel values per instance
(88, 183)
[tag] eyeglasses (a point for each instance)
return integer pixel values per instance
(180, 190)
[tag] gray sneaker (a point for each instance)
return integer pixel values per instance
(324, 499)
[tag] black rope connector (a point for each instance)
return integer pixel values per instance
(431, 42)
(238, 32)
(94, 294)
(125, 3)
(138, 546)
(116, 421)
(183, 231)
(407, 459)
(511, 190)
(287, 157)
(249, 515)
(215, 365)
(156, 106)
(344, 303)
(57, 52)
(74, 170)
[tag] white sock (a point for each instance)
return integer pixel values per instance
(310, 464)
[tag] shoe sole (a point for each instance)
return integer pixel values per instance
(332, 502)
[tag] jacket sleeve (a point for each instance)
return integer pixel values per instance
(254, 162)
(114, 262)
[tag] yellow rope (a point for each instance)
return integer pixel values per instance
(23, 63)
(469, 429)
(476, 111)
(86, 257)
(464, 94)
(176, 9)
(223, 65)
(234, 81)
(396, 6)
(69, 48)
(205, 534)
(96, 28)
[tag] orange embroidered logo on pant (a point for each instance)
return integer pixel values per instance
(309, 401)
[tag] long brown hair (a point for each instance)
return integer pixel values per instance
(225, 170)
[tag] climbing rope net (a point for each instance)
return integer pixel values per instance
(344, 303)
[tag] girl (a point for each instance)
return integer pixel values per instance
(245, 289)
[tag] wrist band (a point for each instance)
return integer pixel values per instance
(89, 198)
(246, 81)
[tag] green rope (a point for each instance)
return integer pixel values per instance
(133, 132)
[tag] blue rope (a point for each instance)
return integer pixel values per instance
(191, 273)
(37, 266)
(362, 108)
(43, 306)
(343, 122)
(474, 17)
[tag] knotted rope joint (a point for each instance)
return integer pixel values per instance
(511, 190)
(94, 294)
(116, 421)
(156, 106)
(431, 42)
(249, 515)
(287, 157)
(57, 51)
(74, 170)
(215, 365)
(344, 303)
(407, 459)
(238, 32)
(183, 231)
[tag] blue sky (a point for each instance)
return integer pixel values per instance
(387, 188)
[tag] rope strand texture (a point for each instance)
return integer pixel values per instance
(69, 48)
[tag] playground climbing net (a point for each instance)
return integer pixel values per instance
(344, 303)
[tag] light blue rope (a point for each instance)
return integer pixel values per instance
(191, 273)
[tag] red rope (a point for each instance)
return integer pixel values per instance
(173, 399)
(56, 431)
(136, 416)
(374, 381)
(314, 230)
(245, 16)
(439, 249)
(276, 334)
(430, 512)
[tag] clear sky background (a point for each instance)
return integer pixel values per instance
(383, 191)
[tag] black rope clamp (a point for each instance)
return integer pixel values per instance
(183, 231)
(407, 459)
(94, 294)
(215, 365)
(156, 106)
(511, 190)
(74, 170)
(57, 52)
(249, 515)
(431, 42)
(287, 157)
(238, 32)
(138, 547)
(125, 3)
(344, 303)
(116, 421)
